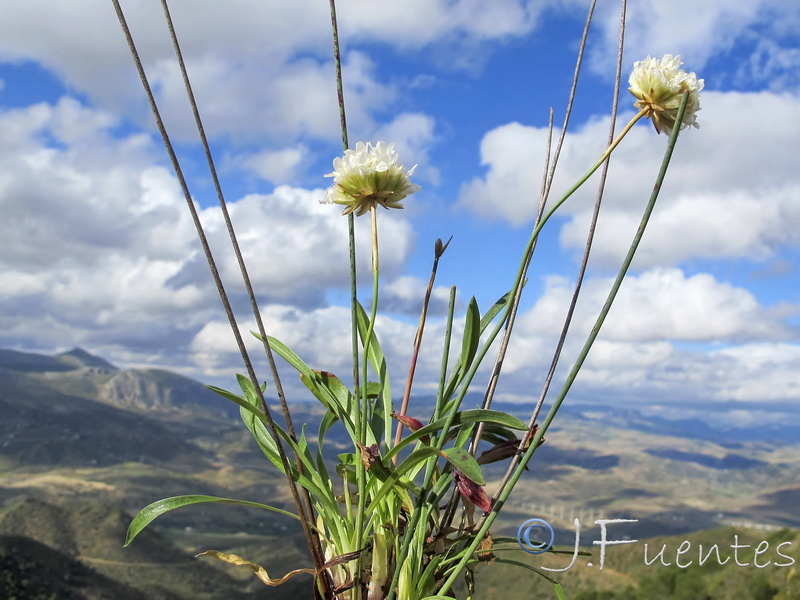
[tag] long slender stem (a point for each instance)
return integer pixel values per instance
(438, 251)
(308, 512)
(584, 262)
(528, 454)
(365, 413)
(501, 353)
(482, 352)
(351, 234)
(212, 265)
(448, 333)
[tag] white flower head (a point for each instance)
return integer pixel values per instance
(659, 86)
(367, 176)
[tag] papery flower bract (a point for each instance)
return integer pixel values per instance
(472, 491)
(367, 176)
(659, 86)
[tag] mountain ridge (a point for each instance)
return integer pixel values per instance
(80, 434)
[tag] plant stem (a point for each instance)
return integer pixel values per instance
(482, 352)
(584, 262)
(526, 457)
(438, 251)
(364, 413)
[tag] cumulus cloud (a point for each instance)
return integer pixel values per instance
(405, 295)
(419, 23)
(701, 33)
(278, 165)
(257, 69)
(669, 336)
(729, 191)
(412, 134)
(101, 251)
(662, 304)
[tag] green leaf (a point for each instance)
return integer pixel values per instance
(325, 386)
(472, 334)
(333, 394)
(225, 393)
(464, 418)
(348, 459)
(418, 456)
(465, 463)
(477, 415)
(327, 421)
(495, 310)
(559, 591)
(256, 421)
(156, 509)
(462, 366)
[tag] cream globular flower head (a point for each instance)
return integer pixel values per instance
(659, 86)
(368, 176)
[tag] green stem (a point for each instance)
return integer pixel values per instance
(482, 352)
(498, 505)
(364, 414)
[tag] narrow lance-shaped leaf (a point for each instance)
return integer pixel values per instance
(505, 449)
(462, 419)
(460, 369)
(152, 511)
(472, 334)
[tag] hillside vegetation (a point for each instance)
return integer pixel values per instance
(85, 445)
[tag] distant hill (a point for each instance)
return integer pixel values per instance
(85, 444)
(44, 426)
(81, 358)
(75, 551)
(156, 389)
(92, 377)
(39, 363)
(627, 576)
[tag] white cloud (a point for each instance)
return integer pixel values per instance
(668, 336)
(278, 166)
(760, 371)
(100, 249)
(509, 190)
(701, 32)
(661, 304)
(405, 295)
(260, 69)
(730, 190)
(772, 65)
(291, 242)
(320, 337)
(412, 135)
(419, 23)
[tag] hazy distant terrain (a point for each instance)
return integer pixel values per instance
(84, 445)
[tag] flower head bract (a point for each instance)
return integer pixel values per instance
(368, 176)
(659, 86)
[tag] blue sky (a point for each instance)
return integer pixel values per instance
(98, 249)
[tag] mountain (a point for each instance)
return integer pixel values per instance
(84, 445)
(74, 551)
(80, 358)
